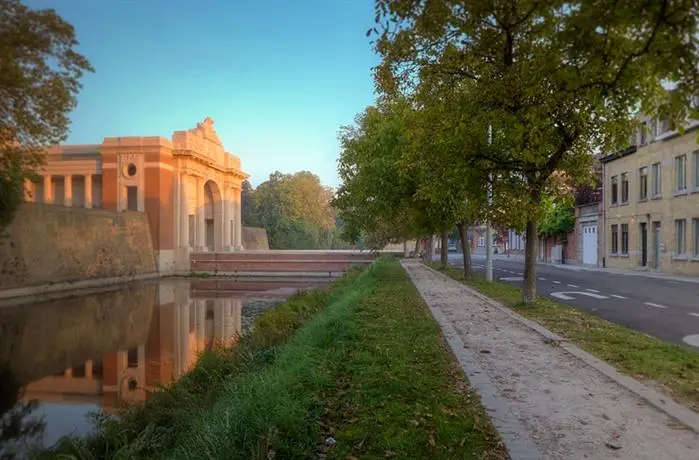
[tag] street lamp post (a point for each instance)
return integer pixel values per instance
(488, 230)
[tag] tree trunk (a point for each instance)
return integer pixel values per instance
(529, 287)
(429, 255)
(406, 254)
(444, 253)
(465, 249)
(417, 248)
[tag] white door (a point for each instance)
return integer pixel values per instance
(589, 244)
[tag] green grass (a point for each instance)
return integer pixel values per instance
(144, 430)
(674, 368)
(364, 364)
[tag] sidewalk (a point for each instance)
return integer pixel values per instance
(543, 395)
(590, 268)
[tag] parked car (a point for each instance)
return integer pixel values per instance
(452, 248)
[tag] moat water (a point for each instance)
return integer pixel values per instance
(64, 359)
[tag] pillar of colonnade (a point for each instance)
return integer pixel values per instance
(49, 192)
(227, 218)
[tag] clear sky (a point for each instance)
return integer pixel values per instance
(278, 77)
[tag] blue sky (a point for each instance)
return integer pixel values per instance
(278, 77)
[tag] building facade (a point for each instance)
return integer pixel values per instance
(587, 228)
(651, 202)
(188, 186)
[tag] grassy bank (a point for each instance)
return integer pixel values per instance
(363, 364)
(674, 368)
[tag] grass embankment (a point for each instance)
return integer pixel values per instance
(675, 368)
(369, 370)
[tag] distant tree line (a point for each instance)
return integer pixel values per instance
(295, 210)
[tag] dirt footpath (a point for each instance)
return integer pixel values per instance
(565, 408)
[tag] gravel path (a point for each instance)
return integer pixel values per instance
(566, 408)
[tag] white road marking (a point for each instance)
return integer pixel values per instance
(512, 278)
(694, 314)
(573, 285)
(617, 296)
(651, 304)
(520, 274)
(592, 290)
(556, 282)
(541, 278)
(567, 295)
(692, 340)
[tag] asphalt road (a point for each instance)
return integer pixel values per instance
(666, 309)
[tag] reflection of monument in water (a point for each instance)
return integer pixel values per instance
(181, 327)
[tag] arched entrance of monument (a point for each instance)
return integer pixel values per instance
(213, 217)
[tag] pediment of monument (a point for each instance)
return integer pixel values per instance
(206, 130)
(202, 140)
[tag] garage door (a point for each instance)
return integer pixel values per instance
(589, 244)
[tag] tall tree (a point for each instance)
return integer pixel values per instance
(40, 75)
(555, 79)
(377, 198)
(249, 209)
(295, 211)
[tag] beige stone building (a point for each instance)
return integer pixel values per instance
(651, 201)
(188, 186)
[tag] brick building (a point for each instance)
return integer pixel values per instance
(651, 201)
(189, 187)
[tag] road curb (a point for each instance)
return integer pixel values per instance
(515, 438)
(664, 403)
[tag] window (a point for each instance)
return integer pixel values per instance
(666, 125)
(695, 223)
(680, 237)
(615, 239)
(643, 183)
(657, 184)
(644, 133)
(132, 358)
(624, 238)
(681, 173)
(132, 198)
(625, 188)
(614, 190)
(695, 156)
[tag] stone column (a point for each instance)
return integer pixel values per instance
(227, 219)
(184, 213)
(238, 220)
(88, 190)
(88, 369)
(48, 189)
(68, 190)
(201, 217)
(29, 191)
(218, 213)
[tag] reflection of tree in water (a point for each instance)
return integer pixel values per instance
(19, 432)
